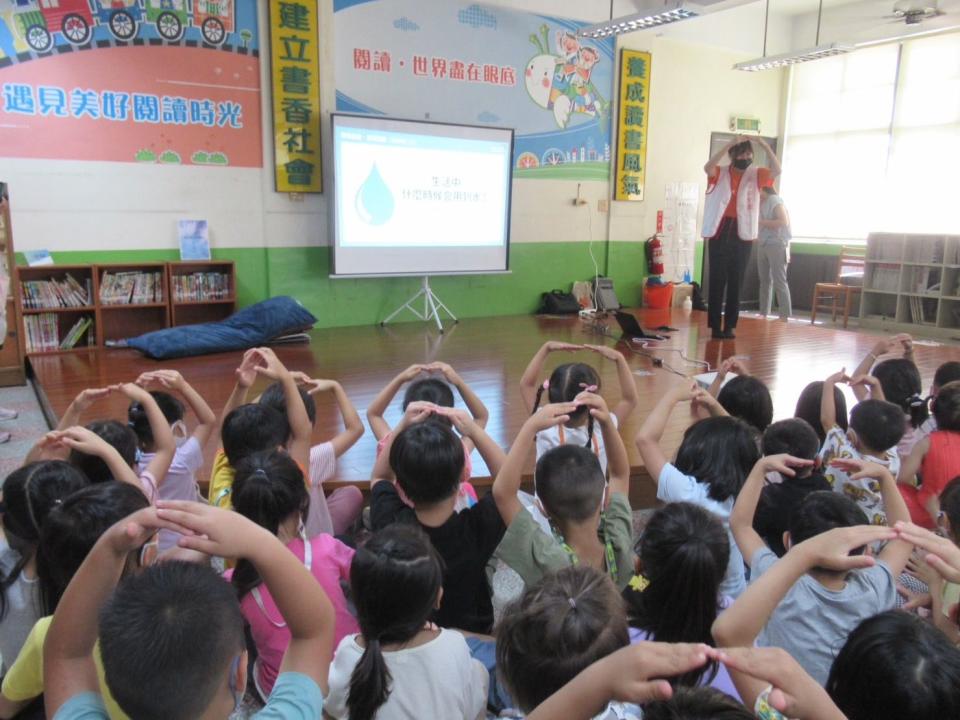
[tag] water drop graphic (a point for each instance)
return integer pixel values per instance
(374, 201)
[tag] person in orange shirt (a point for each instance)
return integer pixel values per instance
(731, 215)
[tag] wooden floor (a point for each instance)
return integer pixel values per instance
(491, 354)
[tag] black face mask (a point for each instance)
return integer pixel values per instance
(742, 164)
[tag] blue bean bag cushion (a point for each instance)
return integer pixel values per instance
(250, 327)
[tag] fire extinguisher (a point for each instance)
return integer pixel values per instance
(654, 252)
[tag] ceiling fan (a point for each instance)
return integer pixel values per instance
(914, 12)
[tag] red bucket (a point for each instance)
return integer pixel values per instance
(658, 297)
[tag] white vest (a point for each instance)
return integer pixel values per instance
(748, 204)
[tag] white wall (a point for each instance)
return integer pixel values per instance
(62, 205)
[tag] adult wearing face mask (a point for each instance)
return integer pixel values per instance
(731, 223)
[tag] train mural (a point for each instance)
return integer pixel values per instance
(37, 21)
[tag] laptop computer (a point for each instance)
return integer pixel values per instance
(631, 328)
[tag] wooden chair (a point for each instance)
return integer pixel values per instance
(839, 294)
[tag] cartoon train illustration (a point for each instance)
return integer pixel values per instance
(37, 20)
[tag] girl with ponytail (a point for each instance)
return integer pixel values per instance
(269, 490)
(565, 383)
(400, 666)
(29, 494)
(675, 597)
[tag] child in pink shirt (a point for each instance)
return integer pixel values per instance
(269, 490)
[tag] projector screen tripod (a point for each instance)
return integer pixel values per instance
(432, 305)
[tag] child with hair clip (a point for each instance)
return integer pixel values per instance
(564, 384)
(69, 533)
(895, 380)
(809, 600)
(876, 427)
(436, 391)
(712, 461)
(268, 489)
(675, 596)
(252, 427)
(426, 457)
(181, 480)
(337, 513)
(590, 521)
(29, 494)
(171, 637)
(564, 623)
(120, 436)
(400, 665)
(935, 460)
(808, 409)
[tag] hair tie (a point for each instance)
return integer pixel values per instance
(259, 472)
(58, 501)
(915, 401)
(573, 603)
(546, 384)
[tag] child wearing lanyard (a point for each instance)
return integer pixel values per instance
(269, 490)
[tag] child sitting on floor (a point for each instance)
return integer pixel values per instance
(675, 597)
(564, 384)
(947, 372)
(29, 494)
(71, 531)
(808, 409)
(249, 428)
(782, 495)
(426, 457)
(590, 521)
(57, 444)
(743, 396)
(713, 459)
(561, 625)
(269, 490)
(809, 600)
(171, 637)
(935, 460)
(436, 391)
(337, 513)
(402, 666)
(181, 480)
(876, 427)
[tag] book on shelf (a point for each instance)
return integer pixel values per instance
(54, 293)
(201, 286)
(76, 332)
(132, 287)
(885, 278)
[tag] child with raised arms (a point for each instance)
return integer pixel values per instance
(565, 383)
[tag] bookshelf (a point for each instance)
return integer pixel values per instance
(912, 280)
(131, 299)
(119, 301)
(201, 291)
(12, 371)
(53, 300)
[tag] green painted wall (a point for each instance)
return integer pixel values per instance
(304, 273)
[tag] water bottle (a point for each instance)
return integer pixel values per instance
(687, 304)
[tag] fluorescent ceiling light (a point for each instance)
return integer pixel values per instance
(770, 62)
(657, 14)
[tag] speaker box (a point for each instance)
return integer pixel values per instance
(604, 294)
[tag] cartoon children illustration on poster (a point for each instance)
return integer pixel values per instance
(561, 82)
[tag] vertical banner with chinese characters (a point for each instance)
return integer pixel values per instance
(144, 81)
(295, 80)
(476, 64)
(632, 128)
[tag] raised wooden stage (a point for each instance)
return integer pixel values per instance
(491, 354)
